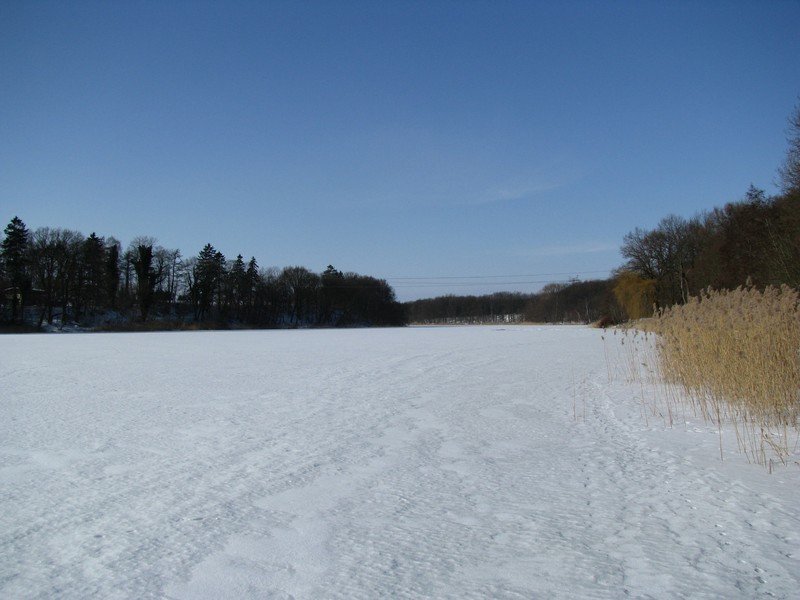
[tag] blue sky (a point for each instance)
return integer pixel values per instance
(407, 139)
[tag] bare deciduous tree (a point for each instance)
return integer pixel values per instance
(790, 171)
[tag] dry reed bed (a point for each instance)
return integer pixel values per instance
(732, 356)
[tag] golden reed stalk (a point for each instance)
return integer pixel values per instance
(737, 356)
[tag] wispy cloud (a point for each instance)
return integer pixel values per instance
(547, 177)
(513, 194)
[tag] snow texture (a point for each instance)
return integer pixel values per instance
(472, 462)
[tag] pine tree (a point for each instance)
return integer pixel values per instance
(93, 272)
(14, 257)
(252, 284)
(112, 273)
(238, 286)
(204, 284)
(221, 280)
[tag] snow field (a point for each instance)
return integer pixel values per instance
(407, 463)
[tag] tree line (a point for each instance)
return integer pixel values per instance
(574, 301)
(466, 309)
(752, 241)
(54, 275)
(755, 241)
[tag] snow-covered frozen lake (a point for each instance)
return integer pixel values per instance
(472, 462)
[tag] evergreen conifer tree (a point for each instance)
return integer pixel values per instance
(14, 257)
(112, 273)
(93, 272)
(238, 285)
(205, 274)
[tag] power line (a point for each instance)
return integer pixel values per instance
(429, 278)
(473, 284)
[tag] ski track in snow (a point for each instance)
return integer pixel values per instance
(402, 463)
